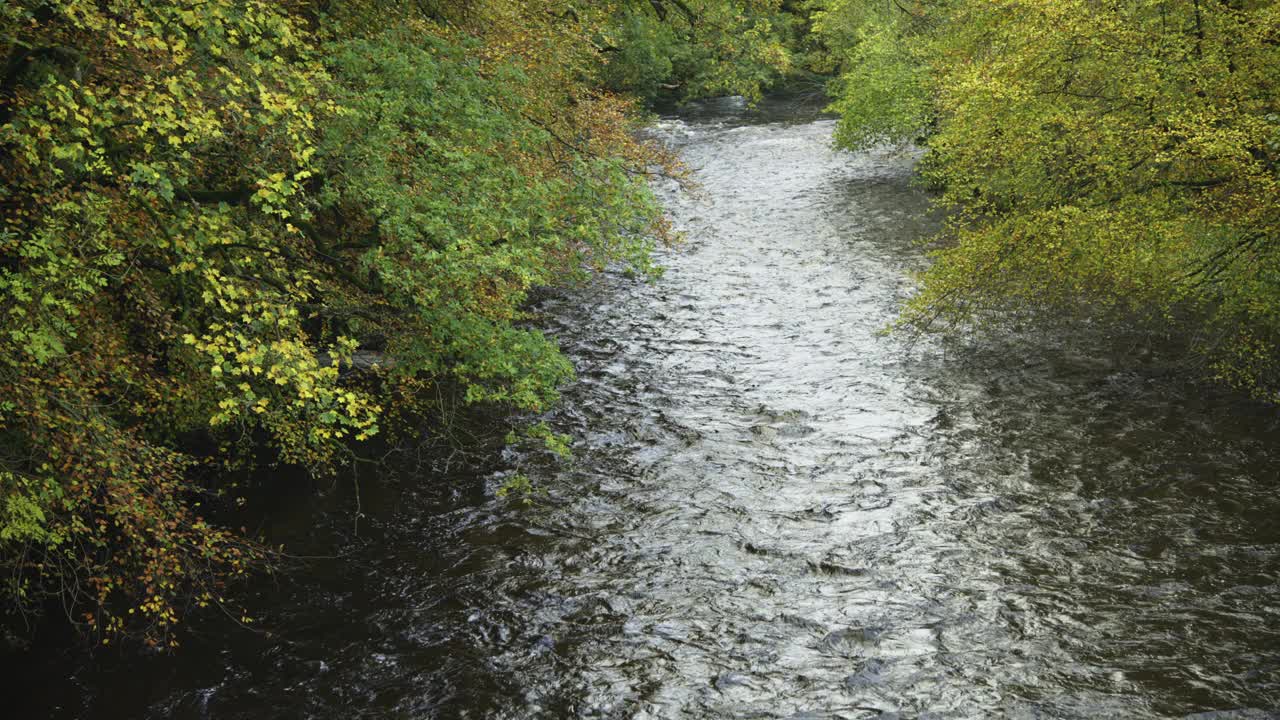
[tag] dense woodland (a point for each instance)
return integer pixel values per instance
(240, 232)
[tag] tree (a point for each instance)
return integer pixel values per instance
(1119, 156)
(697, 48)
(211, 205)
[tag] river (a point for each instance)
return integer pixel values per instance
(777, 511)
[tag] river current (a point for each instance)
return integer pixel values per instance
(777, 511)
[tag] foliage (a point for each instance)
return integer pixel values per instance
(1118, 156)
(697, 48)
(882, 91)
(517, 488)
(233, 226)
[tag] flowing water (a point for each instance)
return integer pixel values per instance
(777, 511)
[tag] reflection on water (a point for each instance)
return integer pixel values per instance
(775, 511)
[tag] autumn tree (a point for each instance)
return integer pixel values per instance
(212, 207)
(1117, 157)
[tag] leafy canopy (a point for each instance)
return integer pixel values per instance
(1116, 156)
(236, 229)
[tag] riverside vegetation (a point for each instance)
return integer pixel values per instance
(217, 212)
(210, 206)
(1119, 158)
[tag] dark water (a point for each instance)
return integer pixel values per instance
(775, 511)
